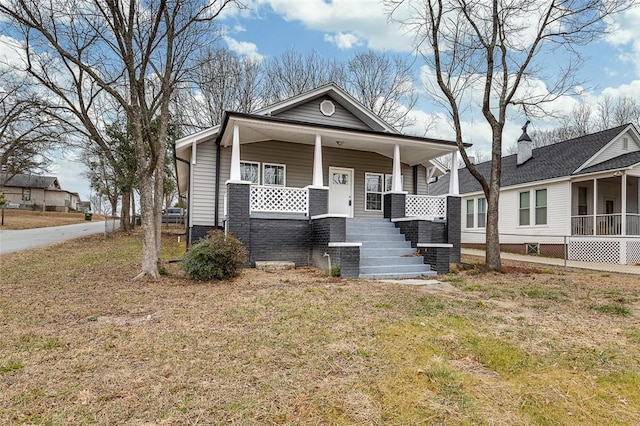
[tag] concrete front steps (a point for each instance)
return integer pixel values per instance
(385, 254)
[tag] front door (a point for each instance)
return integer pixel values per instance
(341, 191)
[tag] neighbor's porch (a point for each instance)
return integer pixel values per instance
(608, 206)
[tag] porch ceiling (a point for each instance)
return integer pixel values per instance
(413, 150)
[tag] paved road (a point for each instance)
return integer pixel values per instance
(12, 241)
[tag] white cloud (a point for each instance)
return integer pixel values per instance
(244, 48)
(342, 40)
(365, 20)
(623, 34)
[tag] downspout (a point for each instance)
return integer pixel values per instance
(217, 192)
(175, 159)
(415, 180)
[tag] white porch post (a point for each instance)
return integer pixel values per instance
(595, 205)
(317, 163)
(397, 175)
(624, 204)
(454, 187)
(235, 155)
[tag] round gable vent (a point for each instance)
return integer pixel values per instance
(327, 108)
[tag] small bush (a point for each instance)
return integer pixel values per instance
(215, 257)
(335, 271)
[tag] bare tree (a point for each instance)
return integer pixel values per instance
(293, 73)
(384, 84)
(132, 53)
(612, 113)
(28, 132)
(496, 48)
(222, 81)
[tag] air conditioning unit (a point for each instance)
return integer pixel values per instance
(532, 248)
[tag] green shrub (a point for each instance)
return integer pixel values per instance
(335, 271)
(215, 257)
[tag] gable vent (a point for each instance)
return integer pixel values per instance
(327, 108)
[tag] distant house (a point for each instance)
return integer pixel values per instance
(583, 191)
(316, 178)
(39, 193)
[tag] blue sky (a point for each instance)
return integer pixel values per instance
(338, 28)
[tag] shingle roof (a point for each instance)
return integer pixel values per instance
(548, 162)
(32, 181)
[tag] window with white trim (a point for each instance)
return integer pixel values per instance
(26, 194)
(533, 207)
(273, 174)
(470, 214)
(541, 207)
(525, 213)
(482, 212)
(373, 191)
(250, 171)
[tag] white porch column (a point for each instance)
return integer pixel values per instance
(317, 163)
(624, 204)
(397, 174)
(235, 155)
(454, 187)
(595, 205)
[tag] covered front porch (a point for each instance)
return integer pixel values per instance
(606, 205)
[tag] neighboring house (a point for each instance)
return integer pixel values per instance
(38, 192)
(318, 174)
(581, 196)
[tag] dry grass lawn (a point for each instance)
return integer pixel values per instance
(80, 343)
(27, 219)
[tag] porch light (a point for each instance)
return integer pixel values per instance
(339, 143)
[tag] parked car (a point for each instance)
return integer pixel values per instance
(173, 215)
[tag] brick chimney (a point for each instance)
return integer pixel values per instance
(525, 146)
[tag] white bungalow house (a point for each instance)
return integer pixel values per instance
(579, 197)
(319, 176)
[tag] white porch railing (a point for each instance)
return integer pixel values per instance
(633, 224)
(425, 206)
(582, 225)
(279, 199)
(606, 224)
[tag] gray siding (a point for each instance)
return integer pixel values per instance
(203, 190)
(298, 159)
(310, 112)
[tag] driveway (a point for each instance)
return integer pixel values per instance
(13, 241)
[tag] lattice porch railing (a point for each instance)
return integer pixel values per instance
(425, 206)
(279, 199)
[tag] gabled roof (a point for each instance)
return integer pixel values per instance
(339, 95)
(332, 90)
(32, 181)
(562, 159)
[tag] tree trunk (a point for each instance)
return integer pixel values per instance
(125, 215)
(132, 194)
(492, 255)
(150, 237)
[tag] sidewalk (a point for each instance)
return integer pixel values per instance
(605, 267)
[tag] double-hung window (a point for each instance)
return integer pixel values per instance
(539, 203)
(541, 207)
(273, 174)
(373, 191)
(482, 212)
(525, 213)
(470, 210)
(250, 171)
